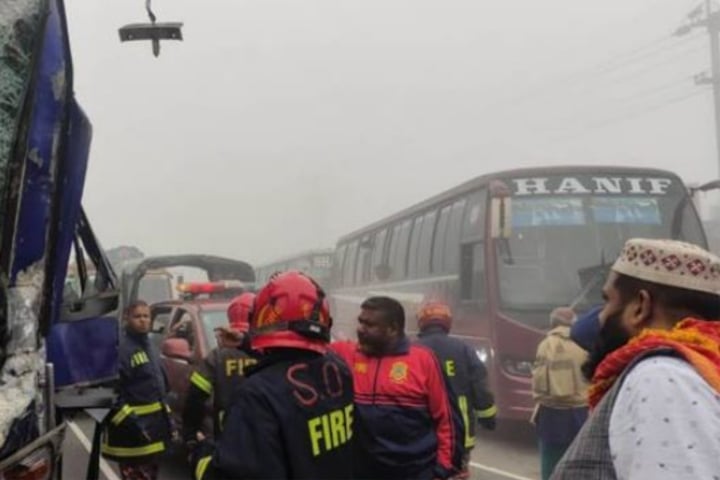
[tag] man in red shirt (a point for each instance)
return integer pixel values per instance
(406, 424)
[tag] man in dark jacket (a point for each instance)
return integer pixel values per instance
(464, 370)
(407, 423)
(220, 374)
(292, 417)
(139, 428)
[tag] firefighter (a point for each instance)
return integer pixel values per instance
(463, 368)
(220, 373)
(138, 428)
(292, 417)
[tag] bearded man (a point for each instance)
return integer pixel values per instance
(655, 370)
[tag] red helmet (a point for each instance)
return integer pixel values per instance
(239, 312)
(291, 311)
(434, 313)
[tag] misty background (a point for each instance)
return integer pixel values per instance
(279, 125)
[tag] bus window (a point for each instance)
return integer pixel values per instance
(472, 272)
(452, 239)
(474, 222)
(414, 243)
(394, 240)
(561, 246)
(691, 229)
(438, 265)
(349, 266)
(399, 252)
(155, 287)
(363, 261)
(321, 268)
(425, 247)
(378, 253)
(338, 264)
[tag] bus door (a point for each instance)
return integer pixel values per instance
(473, 304)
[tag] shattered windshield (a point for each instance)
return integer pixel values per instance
(19, 21)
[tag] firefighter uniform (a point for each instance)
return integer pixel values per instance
(138, 427)
(292, 417)
(468, 377)
(219, 375)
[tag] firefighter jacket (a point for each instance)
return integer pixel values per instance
(138, 427)
(467, 375)
(218, 375)
(407, 425)
(292, 418)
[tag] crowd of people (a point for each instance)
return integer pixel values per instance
(630, 390)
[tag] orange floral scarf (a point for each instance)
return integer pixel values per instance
(696, 341)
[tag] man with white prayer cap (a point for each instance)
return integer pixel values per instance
(654, 370)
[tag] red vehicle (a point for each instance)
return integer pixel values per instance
(506, 248)
(185, 331)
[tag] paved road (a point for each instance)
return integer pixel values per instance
(507, 454)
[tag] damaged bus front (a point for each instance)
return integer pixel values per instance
(44, 143)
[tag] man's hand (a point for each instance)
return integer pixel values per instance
(197, 448)
(228, 338)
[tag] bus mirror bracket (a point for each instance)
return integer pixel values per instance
(500, 217)
(713, 185)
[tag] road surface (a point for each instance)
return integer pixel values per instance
(507, 454)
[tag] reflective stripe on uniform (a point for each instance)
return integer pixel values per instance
(201, 467)
(463, 404)
(201, 382)
(128, 410)
(147, 409)
(150, 449)
(139, 358)
(121, 415)
(491, 411)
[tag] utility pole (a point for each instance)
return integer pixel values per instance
(711, 21)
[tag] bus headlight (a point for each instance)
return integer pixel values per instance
(522, 368)
(482, 354)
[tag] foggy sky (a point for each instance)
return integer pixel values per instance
(277, 126)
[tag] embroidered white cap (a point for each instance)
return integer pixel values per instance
(670, 262)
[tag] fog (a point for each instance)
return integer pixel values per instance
(277, 126)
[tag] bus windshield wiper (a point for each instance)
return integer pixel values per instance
(594, 280)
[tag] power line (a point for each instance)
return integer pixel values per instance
(658, 88)
(614, 65)
(598, 73)
(708, 20)
(634, 114)
(636, 98)
(644, 68)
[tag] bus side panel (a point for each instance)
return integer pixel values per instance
(68, 346)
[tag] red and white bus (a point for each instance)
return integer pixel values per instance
(505, 249)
